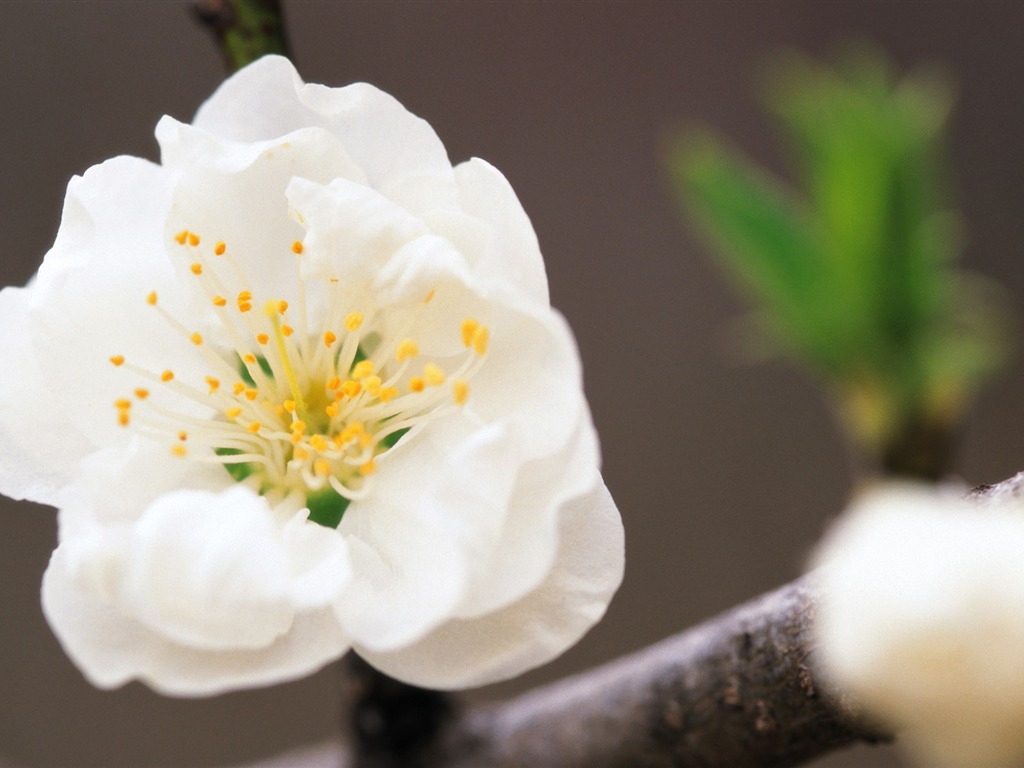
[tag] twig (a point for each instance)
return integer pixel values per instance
(244, 30)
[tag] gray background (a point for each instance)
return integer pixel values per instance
(725, 472)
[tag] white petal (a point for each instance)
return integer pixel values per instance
(89, 300)
(412, 550)
(208, 571)
(39, 450)
(526, 546)
(111, 648)
(511, 261)
(268, 99)
(534, 630)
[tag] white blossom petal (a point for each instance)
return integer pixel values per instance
(299, 387)
(111, 648)
(537, 628)
(30, 467)
(922, 621)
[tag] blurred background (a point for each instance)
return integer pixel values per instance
(725, 471)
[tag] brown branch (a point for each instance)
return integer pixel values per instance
(738, 691)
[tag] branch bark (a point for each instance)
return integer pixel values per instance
(738, 691)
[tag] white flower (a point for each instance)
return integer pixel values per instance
(303, 315)
(922, 621)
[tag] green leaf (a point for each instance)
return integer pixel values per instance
(389, 440)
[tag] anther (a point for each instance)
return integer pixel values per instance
(362, 369)
(178, 450)
(193, 239)
(219, 248)
(250, 358)
(141, 393)
(238, 387)
(318, 442)
(469, 327)
(151, 299)
(196, 338)
(297, 247)
(416, 384)
(252, 394)
(480, 338)
(289, 405)
(407, 348)
(287, 330)
(329, 338)
(262, 338)
(166, 376)
(197, 268)
(460, 390)
(117, 360)
(233, 413)
(123, 404)
(353, 320)
(181, 237)
(255, 427)
(219, 301)
(433, 374)
(213, 383)
(368, 468)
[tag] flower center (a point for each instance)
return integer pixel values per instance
(299, 408)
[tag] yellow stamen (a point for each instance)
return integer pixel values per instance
(233, 413)
(151, 299)
(353, 320)
(460, 389)
(197, 268)
(433, 374)
(238, 387)
(430, 296)
(141, 393)
(193, 239)
(329, 338)
(297, 247)
(298, 426)
(183, 436)
(117, 360)
(372, 385)
(416, 384)
(318, 443)
(407, 348)
(334, 382)
(123, 418)
(255, 427)
(282, 307)
(362, 369)
(252, 394)
(388, 394)
(262, 338)
(250, 358)
(166, 376)
(469, 327)
(368, 468)
(480, 338)
(351, 388)
(322, 467)
(287, 330)
(213, 383)
(196, 339)
(123, 403)
(332, 410)
(181, 237)
(219, 248)
(289, 405)
(178, 450)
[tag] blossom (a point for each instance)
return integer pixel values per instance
(922, 620)
(299, 389)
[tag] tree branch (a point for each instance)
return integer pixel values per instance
(244, 30)
(739, 691)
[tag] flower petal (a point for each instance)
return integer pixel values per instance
(111, 648)
(537, 628)
(39, 450)
(268, 99)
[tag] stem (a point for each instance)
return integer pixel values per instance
(244, 30)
